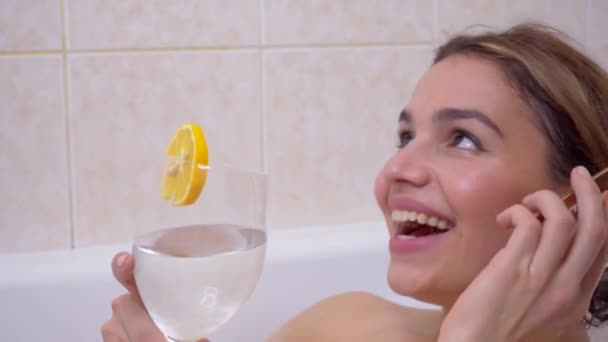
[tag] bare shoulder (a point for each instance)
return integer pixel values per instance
(353, 316)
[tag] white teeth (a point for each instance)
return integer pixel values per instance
(399, 215)
(442, 225)
(421, 218)
(405, 237)
(412, 216)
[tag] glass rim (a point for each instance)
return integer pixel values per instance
(229, 167)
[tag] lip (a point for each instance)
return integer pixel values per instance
(401, 202)
(398, 246)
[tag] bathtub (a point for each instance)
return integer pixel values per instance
(65, 295)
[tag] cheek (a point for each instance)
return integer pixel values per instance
(381, 190)
(479, 195)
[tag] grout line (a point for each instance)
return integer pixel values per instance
(351, 46)
(262, 92)
(30, 52)
(66, 107)
(66, 25)
(262, 14)
(589, 6)
(219, 48)
(264, 114)
(165, 49)
(435, 22)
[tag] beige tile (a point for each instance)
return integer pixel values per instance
(347, 21)
(30, 25)
(599, 51)
(599, 334)
(97, 24)
(598, 26)
(33, 167)
(125, 109)
(332, 123)
(569, 16)
(458, 15)
(565, 15)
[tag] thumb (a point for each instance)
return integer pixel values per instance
(123, 265)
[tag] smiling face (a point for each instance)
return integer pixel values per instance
(469, 149)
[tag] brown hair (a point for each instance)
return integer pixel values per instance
(568, 93)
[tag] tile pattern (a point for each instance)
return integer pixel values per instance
(599, 51)
(332, 119)
(455, 16)
(30, 25)
(125, 110)
(309, 88)
(34, 212)
(297, 22)
(114, 24)
(598, 25)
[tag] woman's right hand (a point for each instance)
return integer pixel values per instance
(130, 321)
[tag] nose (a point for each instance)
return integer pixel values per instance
(409, 165)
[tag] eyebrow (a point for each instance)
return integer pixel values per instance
(450, 114)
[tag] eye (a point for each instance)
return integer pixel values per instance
(465, 141)
(404, 138)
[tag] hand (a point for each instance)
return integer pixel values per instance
(543, 279)
(130, 321)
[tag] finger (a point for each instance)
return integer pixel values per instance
(123, 265)
(598, 268)
(526, 233)
(558, 229)
(113, 331)
(595, 274)
(136, 322)
(591, 234)
(113, 338)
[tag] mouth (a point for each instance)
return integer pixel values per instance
(412, 224)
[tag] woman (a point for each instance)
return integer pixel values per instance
(496, 131)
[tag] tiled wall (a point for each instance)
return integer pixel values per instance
(309, 91)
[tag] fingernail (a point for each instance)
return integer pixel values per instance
(583, 171)
(121, 260)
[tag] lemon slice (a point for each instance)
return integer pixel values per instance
(184, 179)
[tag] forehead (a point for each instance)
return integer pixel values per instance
(468, 82)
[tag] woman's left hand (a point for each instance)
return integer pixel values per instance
(543, 279)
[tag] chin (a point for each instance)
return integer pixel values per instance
(419, 285)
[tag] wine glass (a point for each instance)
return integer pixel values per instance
(196, 264)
